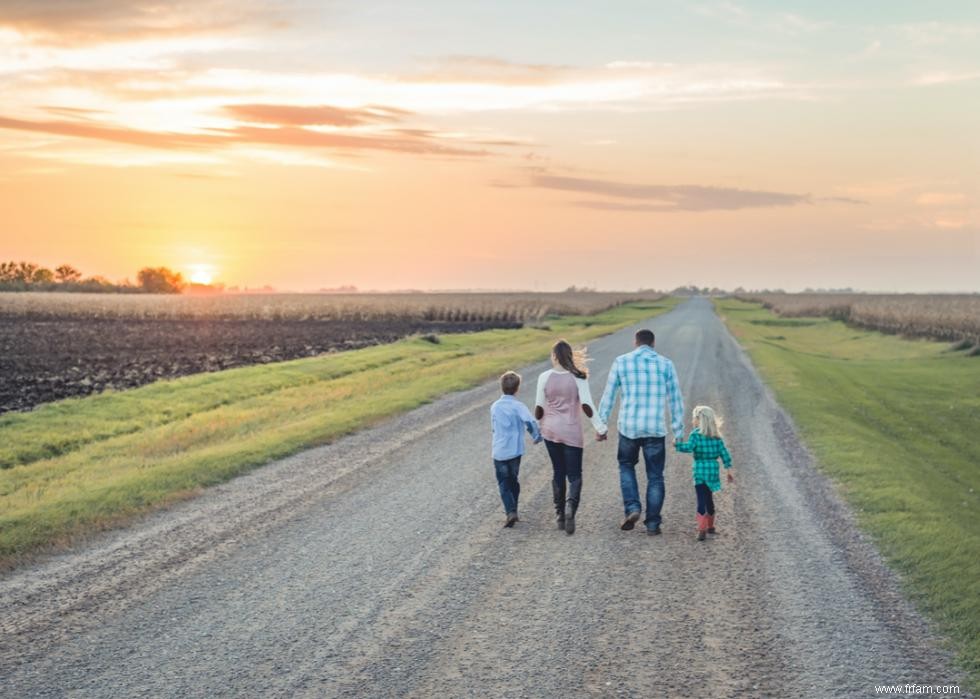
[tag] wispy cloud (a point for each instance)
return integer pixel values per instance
(476, 70)
(941, 198)
(402, 140)
(943, 77)
(790, 23)
(937, 33)
(71, 22)
(318, 115)
(627, 196)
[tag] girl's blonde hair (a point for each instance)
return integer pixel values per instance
(706, 421)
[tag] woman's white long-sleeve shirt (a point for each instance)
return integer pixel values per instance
(561, 396)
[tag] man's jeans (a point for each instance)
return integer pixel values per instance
(510, 489)
(654, 455)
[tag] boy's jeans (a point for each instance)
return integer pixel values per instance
(510, 489)
(654, 455)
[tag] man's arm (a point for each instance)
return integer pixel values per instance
(609, 395)
(676, 403)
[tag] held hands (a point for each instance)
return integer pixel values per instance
(601, 436)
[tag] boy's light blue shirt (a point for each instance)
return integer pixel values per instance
(508, 420)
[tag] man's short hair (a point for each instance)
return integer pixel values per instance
(645, 337)
(510, 381)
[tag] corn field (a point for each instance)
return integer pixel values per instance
(450, 307)
(947, 317)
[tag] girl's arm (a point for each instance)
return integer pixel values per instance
(726, 458)
(588, 407)
(687, 446)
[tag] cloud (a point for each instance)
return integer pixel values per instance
(944, 77)
(323, 115)
(647, 197)
(74, 22)
(402, 140)
(782, 22)
(466, 69)
(842, 200)
(937, 33)
(940, 198)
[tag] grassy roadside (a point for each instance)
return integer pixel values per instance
(892, 421)
(81, 465)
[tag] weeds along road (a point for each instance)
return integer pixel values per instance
(377, 566)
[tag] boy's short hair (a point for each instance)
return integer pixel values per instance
(645, 337)
(510, 381)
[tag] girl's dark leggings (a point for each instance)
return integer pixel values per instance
(706, 505)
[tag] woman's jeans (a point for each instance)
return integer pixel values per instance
(706, 504)
(654, 456)
(510, 489)
(566, 463)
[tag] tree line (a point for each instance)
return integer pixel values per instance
(27, 276)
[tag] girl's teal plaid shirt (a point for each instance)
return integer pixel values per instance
(707, 451)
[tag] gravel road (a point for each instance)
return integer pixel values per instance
(377, 567)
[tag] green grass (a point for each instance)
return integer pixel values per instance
(894, 423)
(76, 466)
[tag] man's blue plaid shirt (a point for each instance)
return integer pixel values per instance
(647, 382)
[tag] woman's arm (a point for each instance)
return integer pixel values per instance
(588, 406)
(539, 394)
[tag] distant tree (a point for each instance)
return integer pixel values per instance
(42, 275)
(25, 272)
(160, 280)
(66, 274)
(8, 272)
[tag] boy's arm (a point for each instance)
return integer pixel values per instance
(609, 395)
(530, 424)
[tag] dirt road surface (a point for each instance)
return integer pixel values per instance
(377, 567)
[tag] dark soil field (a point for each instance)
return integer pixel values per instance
(45, 358)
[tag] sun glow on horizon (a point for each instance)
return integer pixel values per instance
(200, 273)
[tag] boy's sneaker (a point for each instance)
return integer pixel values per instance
(631, 519)
(511, 520)
(654, 532)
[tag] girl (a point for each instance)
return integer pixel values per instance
(562, 393)
(707, 446)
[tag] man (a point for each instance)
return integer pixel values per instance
(647, 381)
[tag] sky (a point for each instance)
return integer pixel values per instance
(496, 145)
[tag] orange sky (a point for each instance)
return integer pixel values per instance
(465, 145)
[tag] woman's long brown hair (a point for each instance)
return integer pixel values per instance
(566, 356)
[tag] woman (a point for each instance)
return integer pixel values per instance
(562, 393)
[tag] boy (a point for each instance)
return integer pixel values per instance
(508, 420)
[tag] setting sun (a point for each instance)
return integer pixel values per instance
(201, 273)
